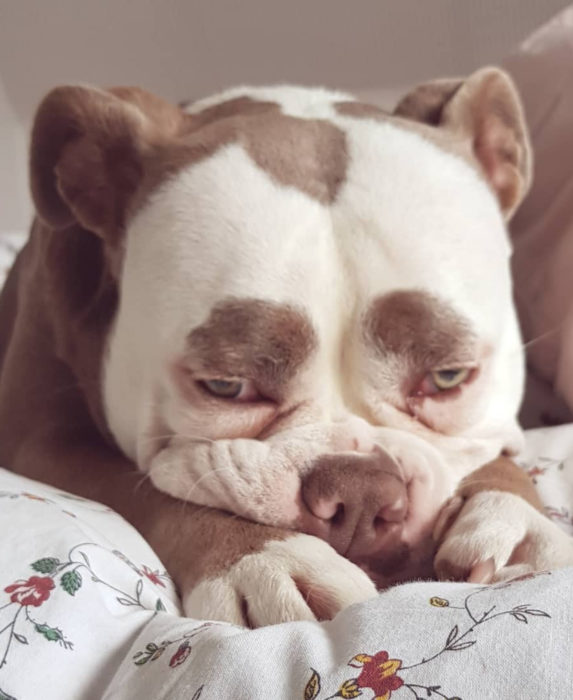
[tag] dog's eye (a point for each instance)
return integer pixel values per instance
(442, 381)
(239, 389)
(445, 379)
(224, 388)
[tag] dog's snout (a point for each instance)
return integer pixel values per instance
(356, 502)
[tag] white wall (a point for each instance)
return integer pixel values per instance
(188, 48)
(14, 202)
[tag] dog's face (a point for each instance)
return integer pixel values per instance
(315, 326)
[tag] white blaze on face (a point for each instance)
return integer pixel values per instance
(220, 229)
(408, 216)
(412, 216)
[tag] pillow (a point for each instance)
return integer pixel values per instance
(542, 229)
(10, 244)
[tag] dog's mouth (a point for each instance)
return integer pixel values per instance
(369, 507)
(396, 536)
(400, 551)
(373, 508)
(402, 563)
(364, 506)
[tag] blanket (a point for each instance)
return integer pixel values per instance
(88, 611)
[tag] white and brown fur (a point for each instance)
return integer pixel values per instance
(330, 255)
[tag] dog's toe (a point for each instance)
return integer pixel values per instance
(299, 578)
(484, 537)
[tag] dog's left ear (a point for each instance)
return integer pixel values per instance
(486, 111)
(89, 152)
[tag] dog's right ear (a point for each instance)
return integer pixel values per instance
(484, 111)
(88, 154)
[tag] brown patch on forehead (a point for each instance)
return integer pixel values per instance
(239, 106)
(445, 140)
(255, 339)
(307, 154)
(361, 110)
(419, 327)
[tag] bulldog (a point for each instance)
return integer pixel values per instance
(274, 330)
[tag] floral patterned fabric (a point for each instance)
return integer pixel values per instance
(88, 611)
(76, 585)
(421, 640)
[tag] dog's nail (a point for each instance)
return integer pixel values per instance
(482, 572)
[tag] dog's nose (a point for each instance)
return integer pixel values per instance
(357, 502)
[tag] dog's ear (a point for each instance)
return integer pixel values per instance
(88, 154)
(486, 111)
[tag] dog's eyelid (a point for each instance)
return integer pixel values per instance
(428, 388)
(248, 392)
(454, 366)
(228, 389)
(224, 388)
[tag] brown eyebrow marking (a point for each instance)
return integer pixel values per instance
(420, 327)
(261, 340)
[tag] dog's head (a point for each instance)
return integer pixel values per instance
(314, 325)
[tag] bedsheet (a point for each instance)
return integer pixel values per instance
(88, 611)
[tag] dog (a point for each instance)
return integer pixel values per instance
(275, 331)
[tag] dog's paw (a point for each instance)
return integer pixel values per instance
(299, 578)
(498, 535)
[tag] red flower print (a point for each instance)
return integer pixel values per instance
(153, 576)
(34, 591)
(378, 673)
(180, 655)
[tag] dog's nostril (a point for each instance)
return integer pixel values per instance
(393, 513)
(379, 522)
(338, 517)
(323, 509)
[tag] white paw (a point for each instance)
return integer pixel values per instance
(300, 578)
(497, 535)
